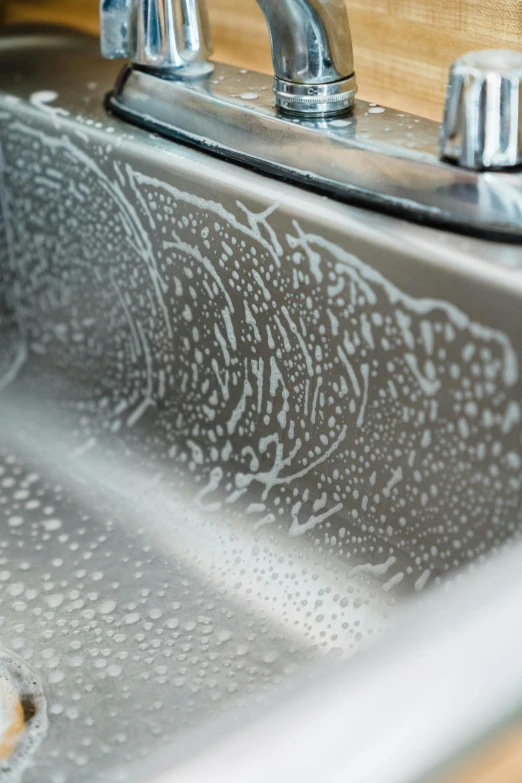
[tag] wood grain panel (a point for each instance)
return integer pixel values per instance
(403, 48)
(500, 761)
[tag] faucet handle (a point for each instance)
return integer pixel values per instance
(161, 35)
(114, 28)
(482, 128)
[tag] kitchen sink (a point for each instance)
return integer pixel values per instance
(242, 427)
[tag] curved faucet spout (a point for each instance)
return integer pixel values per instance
(312, 54)
(311, 41)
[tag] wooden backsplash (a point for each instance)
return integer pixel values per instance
(402, 47)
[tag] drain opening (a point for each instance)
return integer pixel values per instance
(23, 717)
(29, 707)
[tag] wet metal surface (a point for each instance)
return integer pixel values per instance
(238, 423)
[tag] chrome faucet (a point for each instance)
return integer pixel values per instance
(311, 46)
(315, 134)
(312, 54)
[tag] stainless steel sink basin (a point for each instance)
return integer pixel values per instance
(239, 423)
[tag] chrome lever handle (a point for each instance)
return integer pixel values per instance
(163, 35)
(482, 128)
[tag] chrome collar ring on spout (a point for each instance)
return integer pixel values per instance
(316, 100)
(312, 55)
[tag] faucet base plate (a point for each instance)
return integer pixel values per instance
(375, 157)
